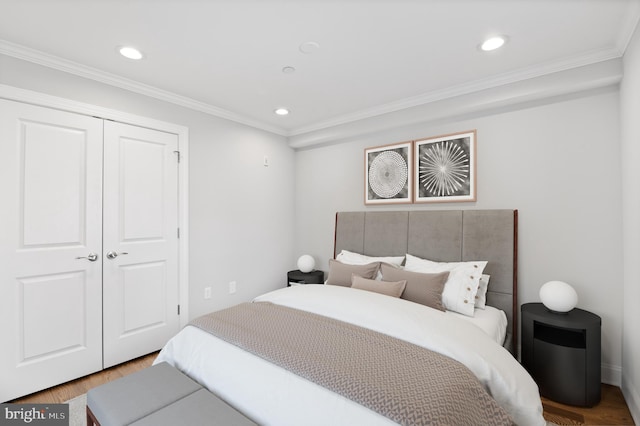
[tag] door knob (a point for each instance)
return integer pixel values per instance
(113, 254)
(91, 257)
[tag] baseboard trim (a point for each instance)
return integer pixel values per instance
(632, 397)
(611, 374)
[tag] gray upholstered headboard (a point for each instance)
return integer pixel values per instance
(443, 236)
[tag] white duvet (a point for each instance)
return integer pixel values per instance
(270, 395)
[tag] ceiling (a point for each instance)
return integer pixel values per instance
(371, 57)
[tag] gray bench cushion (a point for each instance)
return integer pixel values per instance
(137, 395)
(201, 408)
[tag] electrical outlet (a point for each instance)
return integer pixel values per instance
(232, 287)
(207, 292)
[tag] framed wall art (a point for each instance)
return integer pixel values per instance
(388, 177)
(445, 168)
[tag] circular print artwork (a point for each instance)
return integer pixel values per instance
(388, 174)
(444, 168)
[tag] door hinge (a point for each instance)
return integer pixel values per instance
(178, 309)
(178, 233)
(178, 154)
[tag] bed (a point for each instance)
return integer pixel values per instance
(273, 388)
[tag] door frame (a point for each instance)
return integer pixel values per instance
(41, 99)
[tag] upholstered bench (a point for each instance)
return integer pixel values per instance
(158, 395)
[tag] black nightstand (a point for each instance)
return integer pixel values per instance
(562, 353)
(299, 277)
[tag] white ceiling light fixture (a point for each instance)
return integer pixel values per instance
(282, 111)
(130, 52)
(493, 43)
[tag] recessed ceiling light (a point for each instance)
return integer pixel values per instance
(130, 52)
(288, 70)
(493, 43)
(282, 111)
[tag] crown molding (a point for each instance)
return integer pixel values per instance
(526, 92)
(467, 88)
(51, 61)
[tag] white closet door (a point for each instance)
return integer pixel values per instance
(51, 212)
(140, 287)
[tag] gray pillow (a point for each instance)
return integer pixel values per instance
(340, 273)
(389, 288)
(425, 289)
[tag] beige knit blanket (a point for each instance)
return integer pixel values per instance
(404, 382)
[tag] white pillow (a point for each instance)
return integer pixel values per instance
(352, 258)
(481, 295)
(462, 285)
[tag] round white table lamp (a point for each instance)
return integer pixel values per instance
(558, 296)
(306, 263)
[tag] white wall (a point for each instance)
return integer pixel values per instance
(630, 133)
(557, 163)
(240, 211)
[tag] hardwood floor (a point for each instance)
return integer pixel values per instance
(612, 409)
(79, 386)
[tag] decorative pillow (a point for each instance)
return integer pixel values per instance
(389, 288)
(481, 295)
(425, 289)
(340, 273)
(460, 289)
(352, 258)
